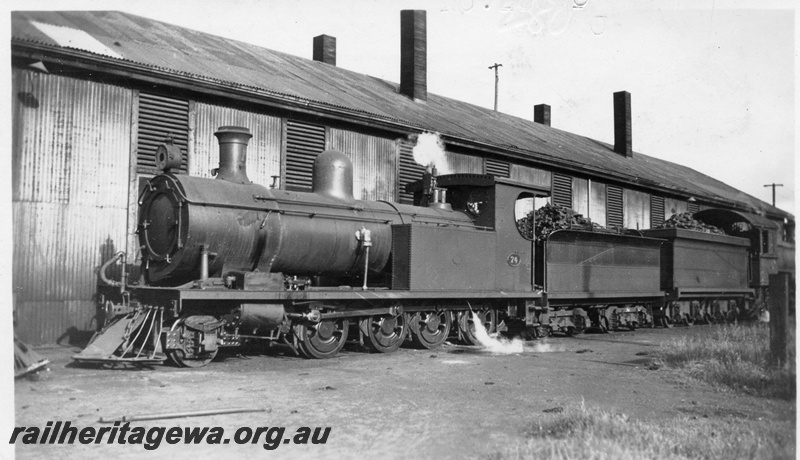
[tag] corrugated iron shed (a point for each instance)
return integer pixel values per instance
(170, 51)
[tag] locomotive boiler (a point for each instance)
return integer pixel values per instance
(191, 228)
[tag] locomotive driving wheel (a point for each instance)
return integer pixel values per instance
(323, 339)
(384, 334)
(430, 329)
(466, 324)
(190, 354)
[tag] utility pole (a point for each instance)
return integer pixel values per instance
(773, 185)
(496, 80)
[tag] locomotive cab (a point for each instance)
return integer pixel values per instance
(490, 202)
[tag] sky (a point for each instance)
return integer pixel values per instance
(711, 82)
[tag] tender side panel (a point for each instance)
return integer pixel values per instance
(441, 258)
(694, 260)
(597, 265)
(698, 264)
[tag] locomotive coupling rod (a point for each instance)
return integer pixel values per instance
(199, 413)
(393, 311)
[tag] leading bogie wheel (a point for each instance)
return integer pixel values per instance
(466, 324)
(429, 329)
(191, 359)
(323, 339)
(384, 334)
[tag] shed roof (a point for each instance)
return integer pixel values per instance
(163, 48)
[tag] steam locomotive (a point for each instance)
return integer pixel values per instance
(226, 261)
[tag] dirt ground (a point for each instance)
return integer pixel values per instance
(453, 402)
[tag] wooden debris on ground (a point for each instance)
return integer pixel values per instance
(26, 360)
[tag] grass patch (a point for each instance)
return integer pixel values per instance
(581, 433)
(735, 357)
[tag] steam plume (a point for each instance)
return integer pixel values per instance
(495, 345)
(429, 151)
(508, 347)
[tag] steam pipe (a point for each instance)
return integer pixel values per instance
(120, 284)
(366, 241)
(204, 263)
(366, 268)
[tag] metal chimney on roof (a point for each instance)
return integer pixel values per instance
(325, 49)
(413, 54)
(623, 131)
(541, 114)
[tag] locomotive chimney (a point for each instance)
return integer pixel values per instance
(233, 153)
(325, 49)
(413, 54)
(623, 131)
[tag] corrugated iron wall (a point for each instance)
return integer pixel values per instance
(263, 152)
(674, 206)
(636, 206)
(374, 163)
(70, 157)
(462, 163)
(580, 196)
(529, 175)
(597, 203)
(408, 171)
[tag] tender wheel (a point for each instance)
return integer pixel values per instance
(430, 329)
(322, 340)
(187, 356)
(466, 324)
(384, 334)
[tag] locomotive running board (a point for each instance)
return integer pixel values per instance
(119, 342)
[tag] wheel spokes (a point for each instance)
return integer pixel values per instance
(430, 329)
(324, 339)
(384, 334)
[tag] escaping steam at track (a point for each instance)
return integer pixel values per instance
(496, 345)
(507, 347)
(429, 151)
